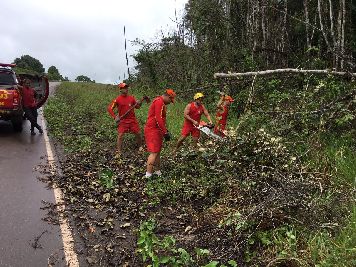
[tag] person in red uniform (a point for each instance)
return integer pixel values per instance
(30, 106)
(156, 131)
(192, 114)
(222, 114)
(125, 118)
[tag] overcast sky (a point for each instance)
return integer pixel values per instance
(82, 37)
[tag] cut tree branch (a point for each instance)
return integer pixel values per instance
(287, 70)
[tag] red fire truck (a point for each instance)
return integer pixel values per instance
(10, 93)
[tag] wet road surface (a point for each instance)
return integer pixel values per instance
(25, 238)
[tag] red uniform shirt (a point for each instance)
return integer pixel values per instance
(195, 113)
(28, 95)
(156, 125)
(156, 118)
(123, 104)
(222, 115)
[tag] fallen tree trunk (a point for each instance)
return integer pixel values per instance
(269, 72)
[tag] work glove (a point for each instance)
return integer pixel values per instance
(167, 136)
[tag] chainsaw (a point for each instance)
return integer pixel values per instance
(208, 130)
(119, 118)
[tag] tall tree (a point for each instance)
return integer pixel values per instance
(29, 63)
(83, 78)
(250, 35)
(53, 74)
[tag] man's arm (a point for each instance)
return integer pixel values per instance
(186, 115)
(111, 107)
(137, 104)
(220, 105)
(159, 108)
(221, 101)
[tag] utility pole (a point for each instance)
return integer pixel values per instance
(127, 59)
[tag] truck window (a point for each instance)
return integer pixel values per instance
(7, 78)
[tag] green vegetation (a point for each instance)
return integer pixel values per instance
(279, 192)
(30, 64)
(25, 71)
(82, 108)
(240, 36)
(106, 177)
(54, 75)
(150, 247)
(83, 78)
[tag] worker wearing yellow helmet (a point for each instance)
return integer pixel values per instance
(198, 96)
(192, 114)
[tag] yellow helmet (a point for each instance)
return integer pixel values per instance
(198, 95)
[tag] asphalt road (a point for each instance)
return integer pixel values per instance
(25, 238)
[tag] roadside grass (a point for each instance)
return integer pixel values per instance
(328, 247)
(76, 115)
(343, 158)
(78, 119)
(334, 243)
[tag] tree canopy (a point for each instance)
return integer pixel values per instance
(29, 63)
(83, 78)
(53, 74)
(238, 36)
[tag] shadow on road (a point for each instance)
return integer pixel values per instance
(9, 137)
(6, 129)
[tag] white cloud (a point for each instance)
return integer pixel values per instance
(82, 37)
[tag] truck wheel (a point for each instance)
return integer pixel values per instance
(17, 124)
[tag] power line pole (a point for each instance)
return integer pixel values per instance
(127, 59)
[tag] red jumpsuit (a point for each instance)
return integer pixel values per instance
(155, 127)
(28, 95)
(195, 113)
(129, 123)
(29, 107)
(221, 116)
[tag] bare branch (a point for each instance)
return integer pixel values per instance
(287, 70)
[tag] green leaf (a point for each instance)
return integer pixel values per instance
(141, 240)
(212, 264)
(155, 260)
(202, 252)
(232, 263)
(155, 239)
(165, 259)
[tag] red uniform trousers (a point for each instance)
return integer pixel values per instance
(154, 139)
(190, 129)
(128, 126)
